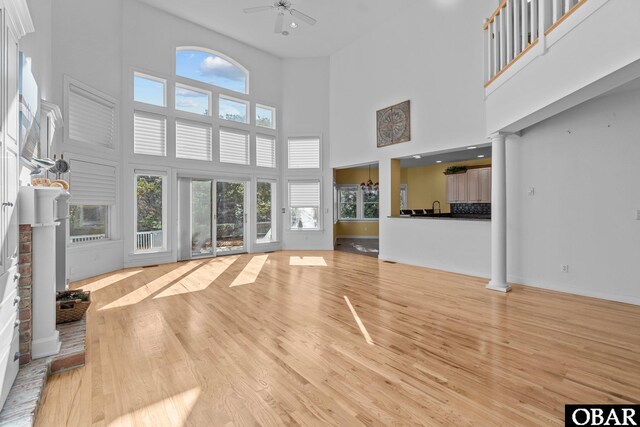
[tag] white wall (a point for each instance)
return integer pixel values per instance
(452, 245)
(306, 113)
(432, 54)
(583, 165)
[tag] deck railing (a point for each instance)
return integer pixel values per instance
(88, 238)
(516, 26)
(149, 240)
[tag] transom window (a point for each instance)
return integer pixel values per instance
(211, 68)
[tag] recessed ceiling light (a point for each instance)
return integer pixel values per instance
(293, 25)
(481, 156)
(473, 147)
(438, 161)
(285, 33)
(417, 156)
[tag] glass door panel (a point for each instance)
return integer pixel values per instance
(230, 217)
(202, 218)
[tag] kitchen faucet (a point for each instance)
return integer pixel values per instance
(433, 207)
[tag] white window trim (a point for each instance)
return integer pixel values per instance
(359, 204)
(203, 117)
(232, 61)
(246, 103)
(113, 232)
(320, 208)
(165, 210)
(275, 209)
(273, 112)
(304, 171)
(80, 146)
(153, 78)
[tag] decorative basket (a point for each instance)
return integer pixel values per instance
(72, 305)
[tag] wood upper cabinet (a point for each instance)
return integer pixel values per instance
(457, 188)
(474, 186)
(479, 185)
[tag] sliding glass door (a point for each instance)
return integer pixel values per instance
(230, 217)
(213, 217)
(202, 233)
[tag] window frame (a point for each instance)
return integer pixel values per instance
(165, 210)
(232, 61)
(152, 78)
(178, 85)
(360, 204)
(108, 227)
(320, 227)
(245, 102)
(291, 170)
(274, 211)
(273, 113)
(83, 147)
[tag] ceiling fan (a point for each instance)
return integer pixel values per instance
(283, 7)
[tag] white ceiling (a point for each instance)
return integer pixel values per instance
(339, 22)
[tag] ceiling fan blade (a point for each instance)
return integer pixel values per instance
(257, 9)
(301, 16)
(279, 23)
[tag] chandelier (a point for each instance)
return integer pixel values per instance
(369, 187)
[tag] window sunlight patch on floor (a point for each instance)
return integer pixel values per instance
(109, 280)
(363, 330)
(154, 286)
(207, 275)
(250, 272)
(172, 411)
(308, 261)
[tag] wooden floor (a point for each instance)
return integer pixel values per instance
(206, 343)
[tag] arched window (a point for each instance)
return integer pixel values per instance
(211, 67)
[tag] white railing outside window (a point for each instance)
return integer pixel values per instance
(149, 240)
(88, 238)
(516, 26)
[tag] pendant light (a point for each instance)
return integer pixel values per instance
(369, 187)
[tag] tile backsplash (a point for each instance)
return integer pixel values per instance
(471, 208)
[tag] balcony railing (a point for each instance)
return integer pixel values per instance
(88, 238)
(517, 26)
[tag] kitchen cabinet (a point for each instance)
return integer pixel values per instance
(479, 185)
(474, 186)
(457, 188)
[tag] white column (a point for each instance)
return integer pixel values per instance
(498, 214)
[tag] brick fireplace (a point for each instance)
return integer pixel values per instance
(24, 291)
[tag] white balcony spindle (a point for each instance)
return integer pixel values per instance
(502, 33)
(495, 48)
(533, 19)
(489, 59)
(524, 13)
(508, 13)
(517, 32)
(556, 11)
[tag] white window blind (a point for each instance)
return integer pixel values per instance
(150, 134)
(234, 146)
(92, 183)
(304, 153)
(92, 118)
(265, 151)
(193, 140)
(304, 194)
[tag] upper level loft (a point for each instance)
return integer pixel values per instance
(545, 56)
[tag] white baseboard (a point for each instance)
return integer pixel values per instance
(359, 237)
(627, 299)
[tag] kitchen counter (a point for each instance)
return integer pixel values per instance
(458, 217)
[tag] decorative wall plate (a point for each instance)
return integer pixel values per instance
(394, 124)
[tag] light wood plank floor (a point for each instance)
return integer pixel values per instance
(175, 345)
